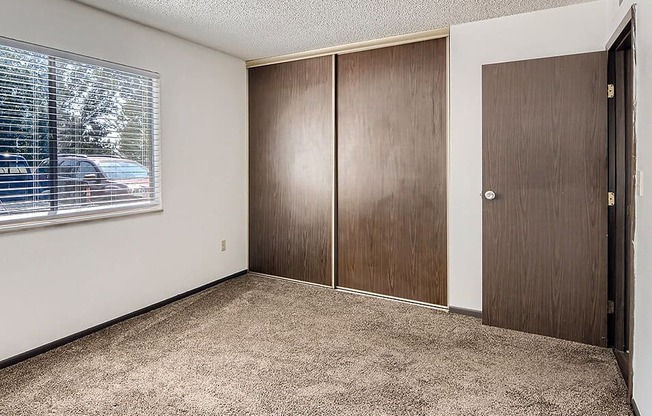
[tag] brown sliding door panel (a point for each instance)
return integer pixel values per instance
(545, 233)
(391, 114)
(291, 169)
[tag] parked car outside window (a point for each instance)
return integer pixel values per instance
(16, 179)
(96, 180)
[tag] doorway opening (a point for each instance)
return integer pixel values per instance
(622, 174)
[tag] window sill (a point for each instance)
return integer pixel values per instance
(11, 225)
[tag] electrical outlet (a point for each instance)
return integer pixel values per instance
(223, 245)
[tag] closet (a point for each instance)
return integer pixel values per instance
(348, 170)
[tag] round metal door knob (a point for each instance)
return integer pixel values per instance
(490, 195)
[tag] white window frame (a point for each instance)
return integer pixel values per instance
(45, 219)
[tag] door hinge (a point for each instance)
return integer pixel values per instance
(611, 91)
(611, 307)
(611, 198)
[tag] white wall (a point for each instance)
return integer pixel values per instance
(643, 260)
(553, 32)
(60, 280)
(642, 351)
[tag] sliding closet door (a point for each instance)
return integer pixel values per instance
(291, 169)
(391, 116)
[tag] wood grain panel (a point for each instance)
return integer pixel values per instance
(391, 117)
(290, 169)
(545, 235)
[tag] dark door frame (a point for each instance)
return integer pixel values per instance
(622, 173)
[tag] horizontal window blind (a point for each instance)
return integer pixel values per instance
(77, 137)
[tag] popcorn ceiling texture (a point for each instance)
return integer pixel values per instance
(251, 29)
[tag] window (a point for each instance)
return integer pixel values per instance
(86, 168)
(79, 137)
(67, 168)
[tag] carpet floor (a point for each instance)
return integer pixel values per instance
(259, 346)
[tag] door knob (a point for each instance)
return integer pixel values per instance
(490, 195)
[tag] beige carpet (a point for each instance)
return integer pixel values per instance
(257, 346)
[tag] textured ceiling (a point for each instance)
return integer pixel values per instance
(252, 29)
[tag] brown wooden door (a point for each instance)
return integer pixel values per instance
(291, 169)
(545, 233)
(391, 113)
